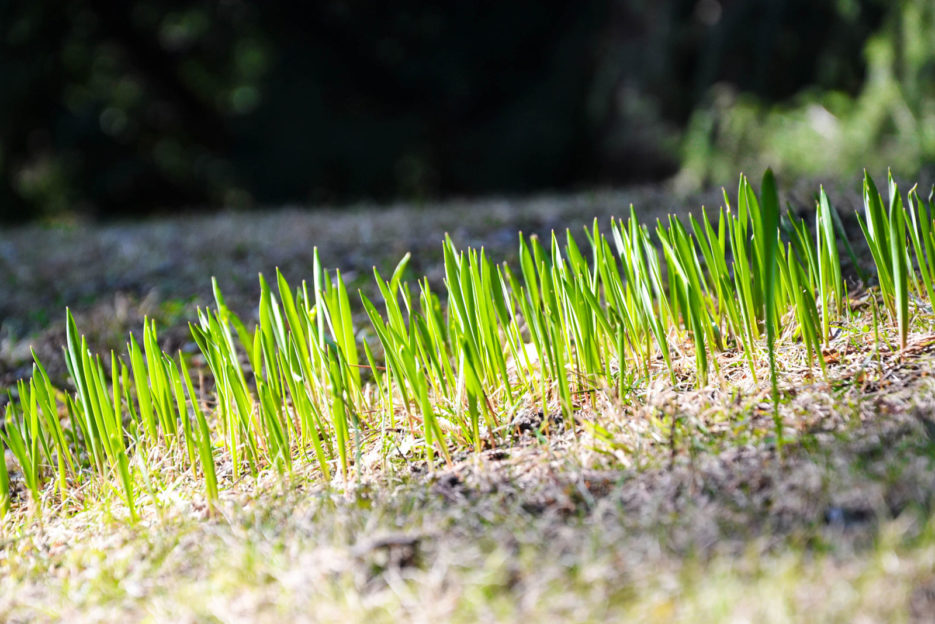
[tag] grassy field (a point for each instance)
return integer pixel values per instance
(721, 417)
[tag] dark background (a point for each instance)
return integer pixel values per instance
(111, 108)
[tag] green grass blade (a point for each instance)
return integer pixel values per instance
(769, 229)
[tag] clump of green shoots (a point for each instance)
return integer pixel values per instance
(307, 386)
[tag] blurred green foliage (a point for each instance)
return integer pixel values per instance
(112, 107)
(826, 132)
(108, 104)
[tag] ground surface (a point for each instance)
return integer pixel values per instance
(676, 507)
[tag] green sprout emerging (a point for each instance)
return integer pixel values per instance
(311, 385)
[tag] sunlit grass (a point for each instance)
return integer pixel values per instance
(308, 384)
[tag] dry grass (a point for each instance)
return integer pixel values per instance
(677, 507)
(674, 506)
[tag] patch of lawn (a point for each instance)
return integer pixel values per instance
(701, 395)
